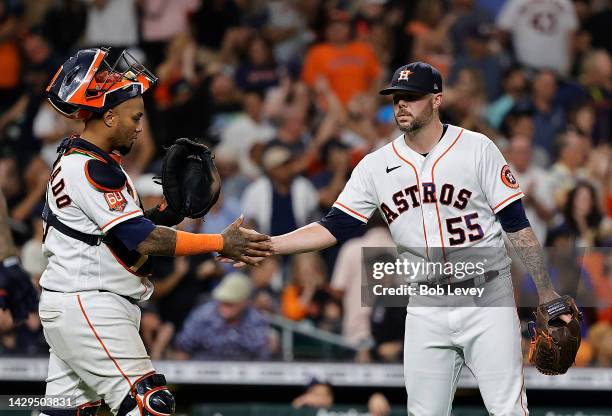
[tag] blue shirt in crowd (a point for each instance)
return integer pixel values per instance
(207, 336)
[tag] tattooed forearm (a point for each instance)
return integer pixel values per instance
(161, 242)
(532, 255)
(7, 246)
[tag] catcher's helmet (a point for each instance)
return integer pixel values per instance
(87, 83)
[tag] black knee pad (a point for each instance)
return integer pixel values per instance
(87, 409)
(150, 394)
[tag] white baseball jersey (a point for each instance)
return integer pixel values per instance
(539, 26)
(74, 265)
(445, 200)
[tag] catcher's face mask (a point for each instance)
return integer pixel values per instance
(88, 83)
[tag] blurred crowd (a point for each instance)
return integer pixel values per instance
(285, 92)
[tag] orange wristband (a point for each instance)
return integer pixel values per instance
(188, 244)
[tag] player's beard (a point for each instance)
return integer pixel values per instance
(418, 122)
(124, 150)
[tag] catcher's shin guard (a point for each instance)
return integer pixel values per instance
(87, 409)
(149, 396)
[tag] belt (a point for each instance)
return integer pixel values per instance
(133, 301)
(476, 281)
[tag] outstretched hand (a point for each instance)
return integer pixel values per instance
(244, 245)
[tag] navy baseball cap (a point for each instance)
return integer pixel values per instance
(417, 77)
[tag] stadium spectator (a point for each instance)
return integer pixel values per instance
(350, 66)
(596, 80)
(549, 118)
(160, 22)
(259, 72)
(359, 127)
(514, 86)
(465, 101)
(292, 131)
(346, 280)
(582, 217)
(287, 27)
(225, 101)
(120, 15)
(600, 338)
(569, 167)
(176, 71)
(387, 320)
(538, 202)
(267, 280)
(233, 181)
(216, 219)
(307, 295)
(479, 57)
(547, 25)
(227, 327)
(33, 260)
(430, 31)
(249, 128)
(330, 181)
(50, 127)
(279, 201)
(9, 55)
(466, 14)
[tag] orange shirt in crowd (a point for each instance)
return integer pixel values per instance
(291, 307)
(349, 69)
(11, 65)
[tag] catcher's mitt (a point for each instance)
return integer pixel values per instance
(190, 179)
(555, 343)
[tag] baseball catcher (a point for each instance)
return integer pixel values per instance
(99, 240)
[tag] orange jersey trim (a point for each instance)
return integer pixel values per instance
(118, 218)
(351, 210)
(102, 343)
(420, 200)
(506, 200)
(433, 179)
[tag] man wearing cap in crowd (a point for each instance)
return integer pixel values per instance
(226, 327)
(280, 201)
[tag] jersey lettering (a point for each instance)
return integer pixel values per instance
(454, 226)
(413, 191)
(446, 194)
(61, 201)
(408, 198)
(400, 202)
(389, 214)
(462, 199)
(429, 192)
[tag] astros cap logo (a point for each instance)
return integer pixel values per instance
(404, 74)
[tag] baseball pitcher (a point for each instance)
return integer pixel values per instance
(442, 188)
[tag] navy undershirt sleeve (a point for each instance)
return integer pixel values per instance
(341, 225)
(133, 231)
(513, 218)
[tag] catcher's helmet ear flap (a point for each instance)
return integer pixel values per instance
(87, 83)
